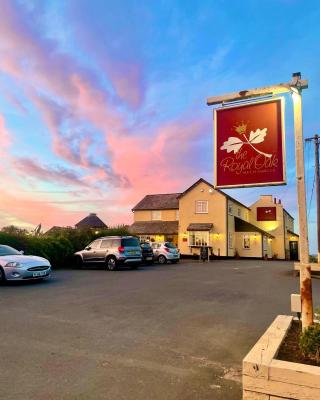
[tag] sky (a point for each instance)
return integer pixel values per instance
(103, 102)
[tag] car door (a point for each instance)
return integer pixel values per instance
(103, 250)
(90, 252)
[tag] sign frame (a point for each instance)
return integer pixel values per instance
(281, 100)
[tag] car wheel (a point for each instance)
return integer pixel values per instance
(2, 275)
(111, 264)
(78, 262)
(162, 259)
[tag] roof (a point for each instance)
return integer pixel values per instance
(154, 227)
(292, 233)
(200, 227)
(243, 226)
(218, 190)
(91, 221)
(57, 229)
(288, 213)
(158, 202)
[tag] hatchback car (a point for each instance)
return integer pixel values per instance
(15, 266)
(147, 253)
(164, 252)
(112, 252)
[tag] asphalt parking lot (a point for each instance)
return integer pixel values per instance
(161, 332)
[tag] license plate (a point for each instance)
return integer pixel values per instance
(39, 273)
(149, 258)
(132, 252)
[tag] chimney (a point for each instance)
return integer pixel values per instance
(279, 201)
(275, 200)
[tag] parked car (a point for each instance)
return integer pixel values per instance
(147, 252)
(15, 266)
(111, 251)
(165, 251)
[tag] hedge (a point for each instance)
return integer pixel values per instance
(57, 246)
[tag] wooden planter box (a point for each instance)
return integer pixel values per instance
(266, 378)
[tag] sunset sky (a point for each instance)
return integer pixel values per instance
(102, 102)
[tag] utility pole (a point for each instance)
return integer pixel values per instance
(295, 87)
(316, 140)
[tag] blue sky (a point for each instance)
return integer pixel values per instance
(102, 102)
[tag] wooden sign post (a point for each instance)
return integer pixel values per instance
(294, 87)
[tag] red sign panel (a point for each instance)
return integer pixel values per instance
(249, 144)
(266, 213)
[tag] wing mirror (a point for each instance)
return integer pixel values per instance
(88, 248)
(21, 252)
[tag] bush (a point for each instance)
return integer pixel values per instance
(309, 342)
(58, 246)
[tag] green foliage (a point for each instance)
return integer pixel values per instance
(59, 245)
(309, 342)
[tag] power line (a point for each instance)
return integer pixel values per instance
(314, 179)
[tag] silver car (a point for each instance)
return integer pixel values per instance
(164, 252)
(111, 252)
(15, 266)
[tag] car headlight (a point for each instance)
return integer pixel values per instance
(13, 264)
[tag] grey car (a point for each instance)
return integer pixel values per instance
(164, 252)
(112, 252)
(15, 266)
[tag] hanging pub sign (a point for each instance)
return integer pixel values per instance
(249, 144)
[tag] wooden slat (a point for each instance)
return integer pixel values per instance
(247, 395)
(257, 92)
(294, 373)
(256, 363)
(280, 389)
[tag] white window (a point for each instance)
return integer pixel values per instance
(198, 238)
(177, 215)
(202, 207)
(156, 215)
(239, 212)
(230, 240)
(230, 211)
(246, 241)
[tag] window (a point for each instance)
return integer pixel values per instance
(202, 207)
(105, 244)
(177, 215)
(198, 238)
(230, 240)
(156, 215)
(246, 241)
(95, 244)
(230, 211)
(130, 242)
(239, 212)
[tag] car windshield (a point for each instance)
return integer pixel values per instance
(8, 251)
(170, 245)
(145, 245)
(129, 242)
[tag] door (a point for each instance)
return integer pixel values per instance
(90, 252)
(293, 246)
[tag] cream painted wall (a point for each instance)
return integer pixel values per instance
(235, 210)
(145, 215)
(255, 244)
(275, 228)
(216, 215)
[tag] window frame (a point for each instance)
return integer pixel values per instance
(198, 202)
(204, 242)
(246, 238)
(153, 213)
